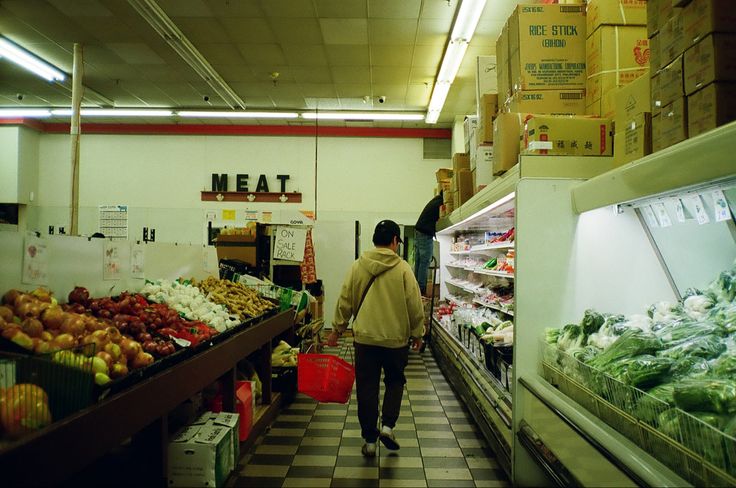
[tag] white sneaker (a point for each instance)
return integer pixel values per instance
(387, 437)
(369, 449)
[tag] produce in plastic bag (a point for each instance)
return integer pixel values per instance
(706, 395)
(725, 366)
(572, 337)
(551, 335)
(697, 306)
(724, 315)
(706, 346)
(685, 329)
(640, 371)
(656, 401)
(631, 343)
(592, 321)
(689, 366)
(665, 312)
(724, 287)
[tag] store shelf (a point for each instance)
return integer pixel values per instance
(706, 158)
(494, 307)
(485, 247)
(457, 266)
(491, 273)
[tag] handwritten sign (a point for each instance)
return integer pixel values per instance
(289, 243)
(35, 261)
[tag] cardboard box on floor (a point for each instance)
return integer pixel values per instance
(632, 100)
(672, 82)
(712, 59)
(554, 102)
(672, 123)
(507, 131)
(615, 12)
(488, 110)
(547, 47)
(567, 136)
(460, 161)
(444, 185)
(616, 56)
(199, 456)
(702, 17)
(633, 140)
(711, 107)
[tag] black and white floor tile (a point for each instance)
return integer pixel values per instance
(318, 445)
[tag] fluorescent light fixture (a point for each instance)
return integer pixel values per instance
(25, 112)
(114, 112)
(361, 116)
(28, 61)
(225, 114)
(462, 32)
(484, 211)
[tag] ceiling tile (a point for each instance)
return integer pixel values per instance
(312, 75)
(288, 8)
(344, 31)
(391, 9)
(116, 71)
(95, 54)
(81, 8)
(439, 9)
(422, 74)
(391, 55)
(135, 53)
(248, 31)
(433, 32)
(418, 95)
(288, 102)
(221, 53)
(392, 31)
(185, 8)
(305, 55)
(343, 9)
(184, 94)
(351, 74)
(202, 30)
(322, 103)
(256, 102)
(254, 89)
(234, 72)
(239, 8)
(428, 56)
(347, 55)
(148, 92)
(318, 90)
(110, 29)
(354, 90)
(282, 74)
(262, 54)
(391, 92)
(392, 75)
(167, 73)
(297, 31)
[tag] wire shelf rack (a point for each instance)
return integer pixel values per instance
(695, 450)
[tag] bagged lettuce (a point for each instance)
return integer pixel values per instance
(656, 401)
(689, 366)
(640, 371)
(704, 346)
(706, 395)
(632, 342)
(725, 366)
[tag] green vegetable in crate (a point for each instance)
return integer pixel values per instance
(657, 400)
(674, 332)
(694, 431)
(724, 288)
(632, 342)
(725, 366)
(584, 354)
(730, 427)
(592, 321)
(640, 371)
(689, 366)
(571, 337)
(708, 346)
(706, 395)
(724, 315)
(551, 335)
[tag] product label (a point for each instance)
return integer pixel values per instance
(680, 210)
(662, 215)
(700, 213)
(721, 206)
(649, 217)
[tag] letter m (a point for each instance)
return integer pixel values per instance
(219, 182)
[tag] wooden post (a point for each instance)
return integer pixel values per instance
(75, 133)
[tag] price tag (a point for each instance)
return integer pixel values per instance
(649, 216)
(700, 213)
(680, 210)
(228, 215)
(721, 206)
(662, 215)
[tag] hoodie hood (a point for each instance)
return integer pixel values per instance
(378, 260)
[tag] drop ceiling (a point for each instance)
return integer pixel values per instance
(329, 54)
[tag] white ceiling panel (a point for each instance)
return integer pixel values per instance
(111, 29)
(220, 53)
(288, 102)
(391, 55)
(347, 55)
(319, 103)
(312, 75)
(81, 8)
(256, 89)
(231, 8)
(185, 8)
(282, 74)
(439, 9)
(351, 74)
(288, 8)
(135, 53)
(254, 102)
(418, 95)
(262, 54)
(391, 92)
(342, 9)
(433, 32)
(392, 75)
(344, 31)
(297, 31)
(248, 31)
(202, 29)
(322, 90)
(392, 31)
(422, 74)
(305, 55)
(391, 9)
(234, 72)
(428, 56)
(355, 90)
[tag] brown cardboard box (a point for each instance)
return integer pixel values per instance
(654, 96)
(460, 161)
(464, 185)
(443, 174)
(615, 12)
(657, 133)
(616, 56)
(671, 82)
(488, 111)
(242, 248)
(655, 51)
(702, 17)
(673, 123)
(665, 12)
(711, 107)
(567, 136)
(632, 100)
(507, 131)
(547, 47)
(484, 165)
(672, 40)
(448, 195)
(712, 59)
(604, 107)
(444, 185)
(633, 140)
(553, 102)
(502, 66)
(653, 17)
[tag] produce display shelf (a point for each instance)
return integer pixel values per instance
(486, 247)
(455, 266)
(494, 307)
(491, 273)
(105, 425)
(462, 287)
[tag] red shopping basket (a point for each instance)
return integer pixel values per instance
(325, 377)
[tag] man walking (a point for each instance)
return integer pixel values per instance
(424, 244)
(381, 294)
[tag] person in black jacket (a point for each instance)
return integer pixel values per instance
(425, 230)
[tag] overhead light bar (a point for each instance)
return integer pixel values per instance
(113, 112)
(462, 32)
(224, 114)
(361, 116)
(34, 113)
(487, 210)
(24, 59)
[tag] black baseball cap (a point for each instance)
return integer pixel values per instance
(385, 232)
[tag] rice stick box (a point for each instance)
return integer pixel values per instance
(550, 135)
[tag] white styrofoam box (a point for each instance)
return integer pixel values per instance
(484, 165)
(486, 78)
(200, 456)
(471, 122)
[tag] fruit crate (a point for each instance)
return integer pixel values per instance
(698, 452)
(37, 390)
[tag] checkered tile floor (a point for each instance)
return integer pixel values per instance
(316, 445)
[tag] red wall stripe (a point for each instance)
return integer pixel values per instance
(233, 130)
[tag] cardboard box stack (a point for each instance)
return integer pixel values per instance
(633, 122)
(444, 184)
(480, 165)
(617, 50)
(554, 135)
(462, 179)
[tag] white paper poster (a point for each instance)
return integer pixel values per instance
(721, 206)
(680, 210)
(114, 221)
(111, 265)
(700, 214)
(289, 243)
(35, 261)
(649, 216)
(662, 215)
(138, 261)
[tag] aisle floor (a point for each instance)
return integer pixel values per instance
(318, 445)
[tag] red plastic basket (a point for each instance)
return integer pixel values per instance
(325, 377)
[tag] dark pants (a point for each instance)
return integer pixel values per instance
(369, 361)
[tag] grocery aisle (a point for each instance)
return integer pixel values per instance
(314, 445)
